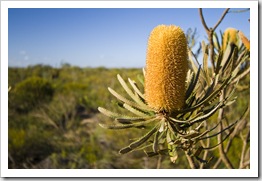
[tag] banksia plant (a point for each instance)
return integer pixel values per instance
(244, 40)
(178, 98)
(230, 36)
(167, 60)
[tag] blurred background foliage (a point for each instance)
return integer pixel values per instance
(53, 120)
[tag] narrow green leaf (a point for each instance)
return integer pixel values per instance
(131, 103)
(126, 119)
(134, 86)
(129, 91)
(237, 68)
(155, 142)
(193, 64)
(108, 113)
(141, 79)
(177, 120)
(214, 93)
(193, 83)
(231, 59)
(219, 60)
(173, 127)
(158, 135)
(191, 99)
(205, 61)
(136, 98)
(138, 142)
(151, 154)
(125, 126)
(143, 139)
(228, 127)
(227, 55)
(189, 77)
(210, 112)
(135, 111)
(125, 150)
(210, 89)
(144, 72)
(159, 152)
(217, 42)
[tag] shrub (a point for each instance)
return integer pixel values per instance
(32, 92)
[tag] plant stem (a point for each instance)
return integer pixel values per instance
(210, 33)
(222, 152)
(191, 161)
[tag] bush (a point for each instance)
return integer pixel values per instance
(32, 92)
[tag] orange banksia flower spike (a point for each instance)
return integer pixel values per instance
(166, 68)
(244, 40)
(230, 36)
(177, 103)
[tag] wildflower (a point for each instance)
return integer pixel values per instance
(166, 68)
(230, 36)
(175, 104)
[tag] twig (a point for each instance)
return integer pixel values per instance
(159, 161)
(205, 152)
(239, 11)
(245, 141)
(191, 161)
(246, 163)
(203, 20)
(210, 32)
(222, 153)
(241, 124)
(220, 20)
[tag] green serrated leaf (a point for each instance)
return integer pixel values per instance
(138, 142)
(125, 150)
(151, 154)
(189, 77)
(205, 58)
(125, 126)
(210, 89)
(193, 83)
(155, 142)
(131, 103)
(135, 111)
(217, 44)
(129, 91)
(231, 60)
(159, 152)
(210, 136)
(193, 64)
(227, 55)
(237, 68)
(214, 93)
(134, 86)
(108, 113)
(143, 139)
(126, 119)
(209, 113)
(141, 79)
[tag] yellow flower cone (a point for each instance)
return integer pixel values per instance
(166, 68)
(244, 40)
(230, 36)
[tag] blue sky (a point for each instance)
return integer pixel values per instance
(99, 37)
